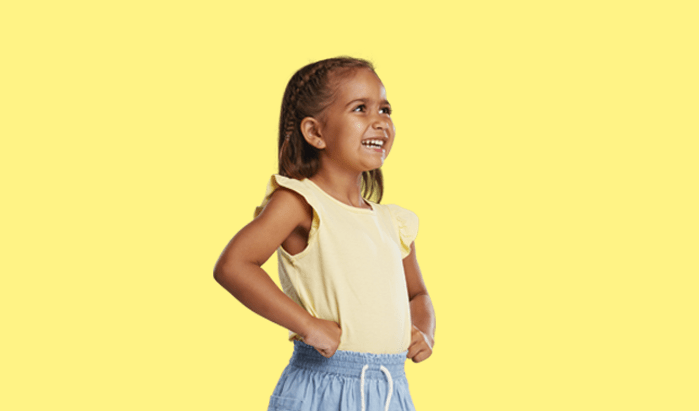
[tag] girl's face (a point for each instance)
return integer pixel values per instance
(356, 127)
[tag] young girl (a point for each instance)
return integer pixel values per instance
(353, 296)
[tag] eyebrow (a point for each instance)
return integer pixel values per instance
(363, 100)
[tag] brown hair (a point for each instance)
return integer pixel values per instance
(307, 94)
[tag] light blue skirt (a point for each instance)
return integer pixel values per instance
(348, 381)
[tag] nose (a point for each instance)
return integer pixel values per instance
(381, 123)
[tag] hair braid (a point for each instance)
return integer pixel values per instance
(307, 94)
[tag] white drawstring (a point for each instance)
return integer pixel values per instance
(362, 386)
(390, 386)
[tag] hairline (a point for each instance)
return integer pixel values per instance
(334, 81)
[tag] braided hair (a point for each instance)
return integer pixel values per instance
(307, 94)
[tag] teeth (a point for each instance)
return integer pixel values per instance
(373, 143)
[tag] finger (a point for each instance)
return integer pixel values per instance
(415, 341)
(421, 356)
(413, 350)
(416, 354)
(327, 352)
(420, 349)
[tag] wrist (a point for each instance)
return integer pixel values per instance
(430, 340)
(307, 325)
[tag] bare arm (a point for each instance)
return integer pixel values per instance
(421, 310)
(239, 271)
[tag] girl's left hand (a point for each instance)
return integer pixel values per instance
(420, 347)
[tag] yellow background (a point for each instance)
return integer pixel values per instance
(549, 149)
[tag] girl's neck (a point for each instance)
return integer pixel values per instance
(344, 187)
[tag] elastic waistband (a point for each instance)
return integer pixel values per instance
(348, 363)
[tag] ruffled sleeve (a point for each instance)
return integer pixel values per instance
(407, 224)
(301, 187)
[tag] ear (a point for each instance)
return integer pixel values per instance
(310, 128)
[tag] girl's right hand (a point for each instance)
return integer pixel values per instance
(324, 336)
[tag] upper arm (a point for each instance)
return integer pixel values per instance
(257, 241)
(413, 275)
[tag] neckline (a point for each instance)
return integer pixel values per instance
(347, 206)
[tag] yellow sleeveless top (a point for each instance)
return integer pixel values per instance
(351, 271)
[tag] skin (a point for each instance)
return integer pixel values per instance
(359, 111)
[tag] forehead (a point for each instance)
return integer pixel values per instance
(360, 83)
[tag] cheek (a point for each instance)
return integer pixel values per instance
(357, 126)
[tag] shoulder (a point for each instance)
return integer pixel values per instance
(286, 193)
(401, 215)
(287, 198)
(286, 204)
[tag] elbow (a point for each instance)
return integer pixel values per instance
(223, 273)
(229, 272)
(217, 275)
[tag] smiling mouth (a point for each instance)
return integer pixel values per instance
(373, 143)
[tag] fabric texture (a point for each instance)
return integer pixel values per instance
(351, 271)
(346, 381)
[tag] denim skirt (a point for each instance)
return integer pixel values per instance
(347, 381)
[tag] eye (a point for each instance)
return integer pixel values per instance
(360, 107)
(386, 110)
